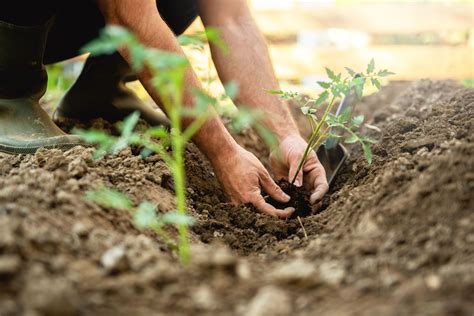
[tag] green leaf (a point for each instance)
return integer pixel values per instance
(177, 219)
(376, 83)
(358, 120)
(231, 89)
(331, 74)
(158, 132)
(128, 125)
(274, 91)
(371, 66)
(344, 116)
(367, 139)
(351, 139)
(324, 85)
(109, 198)
(358, 84)
(385, 73)
(145, 216)
(351, 71)
(214, 37)
(322, 97)
(367, 152)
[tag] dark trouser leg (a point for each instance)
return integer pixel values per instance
(100, 89)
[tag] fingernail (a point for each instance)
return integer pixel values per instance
(285, 196)
(298, 183)
(290, 210)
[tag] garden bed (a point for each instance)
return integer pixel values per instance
(392, 238)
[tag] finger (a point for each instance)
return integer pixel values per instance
(299, 178)
(316, 178)
(321, 188)
(272, 189)
(266, 208)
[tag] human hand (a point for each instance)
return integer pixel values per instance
(243, 176)
(285, 160)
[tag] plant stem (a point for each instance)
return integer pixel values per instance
(180, 191)
(311, 142)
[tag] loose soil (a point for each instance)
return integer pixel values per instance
(392, 238)
(299, 199)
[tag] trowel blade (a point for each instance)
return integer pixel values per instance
(332, 160)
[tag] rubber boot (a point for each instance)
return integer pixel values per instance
(24, 125)
(100, 92)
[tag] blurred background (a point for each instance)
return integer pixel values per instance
(415, 39)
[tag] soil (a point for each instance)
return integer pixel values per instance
(393, 238)
(299, 199)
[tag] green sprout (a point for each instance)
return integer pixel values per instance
(145, 216)
(168, 72)
(335, 89)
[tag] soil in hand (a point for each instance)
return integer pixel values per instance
(299, 199)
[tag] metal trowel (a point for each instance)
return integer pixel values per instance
(332, 154)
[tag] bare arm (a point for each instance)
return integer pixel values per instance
(248, 61)
(241, 174)
(249, 64)
(143, 19)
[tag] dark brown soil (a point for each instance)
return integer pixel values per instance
(393, 238)
(299, 199)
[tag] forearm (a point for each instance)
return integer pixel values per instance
(248, 63)
(152, 32)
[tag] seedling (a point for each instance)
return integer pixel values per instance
(322, 128)
(168, 71)
(145, 216)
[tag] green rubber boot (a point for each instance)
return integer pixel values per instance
(24, 125)
(100, 92)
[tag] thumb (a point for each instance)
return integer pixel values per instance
(292, 172)
(272, 189)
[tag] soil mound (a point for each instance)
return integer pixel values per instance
(393, 238)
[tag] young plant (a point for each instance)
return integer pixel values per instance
(168, 72)
(145, 216)
(335, 89)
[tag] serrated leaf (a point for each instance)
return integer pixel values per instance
(358, 84)
(322, 97)
(175, 218)
(344, 116)
(145, 216)
(358, 120)
(128, 125)
(351, 71)
(367, 152)
(376, 83)
(331, 74)
(324, 85)
(385, 73)
(351, 139)
(109, 198)
(371, 66)
(367, 139)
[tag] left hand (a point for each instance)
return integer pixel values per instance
(285, 160)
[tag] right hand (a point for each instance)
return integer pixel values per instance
(243, 176)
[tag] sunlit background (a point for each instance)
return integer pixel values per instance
(415, 39)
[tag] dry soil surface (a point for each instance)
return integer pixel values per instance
(393, 238)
